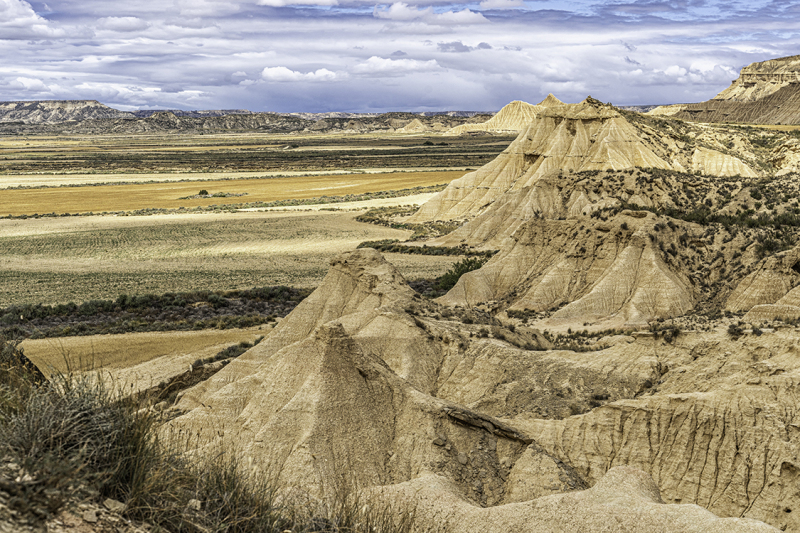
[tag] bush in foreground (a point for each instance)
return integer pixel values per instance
(71, 439)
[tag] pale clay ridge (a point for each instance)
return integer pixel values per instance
(415, 126)
(770, 292)
(571, 138)
(410, 405)
(625, 499)
(514, 117)
(612, 275)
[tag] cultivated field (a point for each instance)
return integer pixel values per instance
(131, 197)
(117, 352)
(240, 152)
(57, 260)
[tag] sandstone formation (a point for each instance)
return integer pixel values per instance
(415, 126)
(767, 92)
(762, 79)
(514, 117)
(589, 136)
(365, 380)
(786, 158)
(610, 273)
(714, 163)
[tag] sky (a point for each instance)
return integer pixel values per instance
(362, 56)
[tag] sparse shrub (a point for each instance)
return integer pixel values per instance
(203, 192)
(448, 280)
(735, 331)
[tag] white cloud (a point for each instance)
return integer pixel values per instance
(209, 8)
(122, 24)
(402, 12)
(284, 3)
(394, 67)
(283, 74)
(30, 85)
(502, 4)
(18, 20)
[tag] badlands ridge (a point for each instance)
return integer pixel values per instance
(627, 361)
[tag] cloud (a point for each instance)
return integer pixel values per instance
(18, 20)
(285, 3)
(283, 74)
(502, 4)
(458, 46)
(402, 12)
(394, 67)
(347, 54)
(122, 24)
(29, 85)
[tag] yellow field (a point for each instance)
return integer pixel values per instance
(167, 195)
(175, 349)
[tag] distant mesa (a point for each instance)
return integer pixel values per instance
(766, 92)
(57, 111)
(145, 113)
(514, 117)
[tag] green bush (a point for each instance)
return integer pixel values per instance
(449, 279)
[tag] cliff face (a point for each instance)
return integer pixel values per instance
(765, 93)
(759, 80)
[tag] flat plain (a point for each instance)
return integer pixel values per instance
(175, 195)
(62, 259)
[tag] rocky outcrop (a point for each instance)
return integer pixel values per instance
(767, 92)
(625, 499)
(786, 158)
(717, 429)
(762, 79)
(566, 138)
(714, 163)
(771, 282)
(612, 272)
(365, 382)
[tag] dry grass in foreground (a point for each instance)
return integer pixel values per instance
(69, 442)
